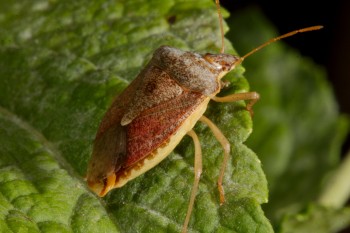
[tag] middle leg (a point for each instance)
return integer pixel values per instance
(226, 146)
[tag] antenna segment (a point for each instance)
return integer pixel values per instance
(222, 50)
(313, 28)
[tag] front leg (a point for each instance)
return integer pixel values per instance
(252, 98)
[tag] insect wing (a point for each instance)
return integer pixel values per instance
(109, 150)
(156, 125)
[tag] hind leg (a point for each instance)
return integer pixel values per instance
(197, 175)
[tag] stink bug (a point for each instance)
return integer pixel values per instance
(163, 103)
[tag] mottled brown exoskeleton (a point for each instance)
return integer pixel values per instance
(147, 121)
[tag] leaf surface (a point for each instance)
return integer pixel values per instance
(62, 63)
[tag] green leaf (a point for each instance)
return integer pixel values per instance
(298, 131)
(37, 194)
(62, 63)
(316, 218)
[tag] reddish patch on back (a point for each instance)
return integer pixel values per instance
(156, 125)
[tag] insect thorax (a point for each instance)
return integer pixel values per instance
(200, 73)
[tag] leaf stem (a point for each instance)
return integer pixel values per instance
(337, 189)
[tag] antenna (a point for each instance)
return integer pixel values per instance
(313, 28)
(222, 50)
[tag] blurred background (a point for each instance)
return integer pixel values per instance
(329, 47)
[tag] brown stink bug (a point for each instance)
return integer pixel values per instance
(163, 103)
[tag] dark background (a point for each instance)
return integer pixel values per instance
(329, 47)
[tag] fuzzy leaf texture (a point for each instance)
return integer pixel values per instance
(62, 63)
(298, 131)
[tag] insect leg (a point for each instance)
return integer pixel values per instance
(252, 98)
(197, 175)
(226, 146)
